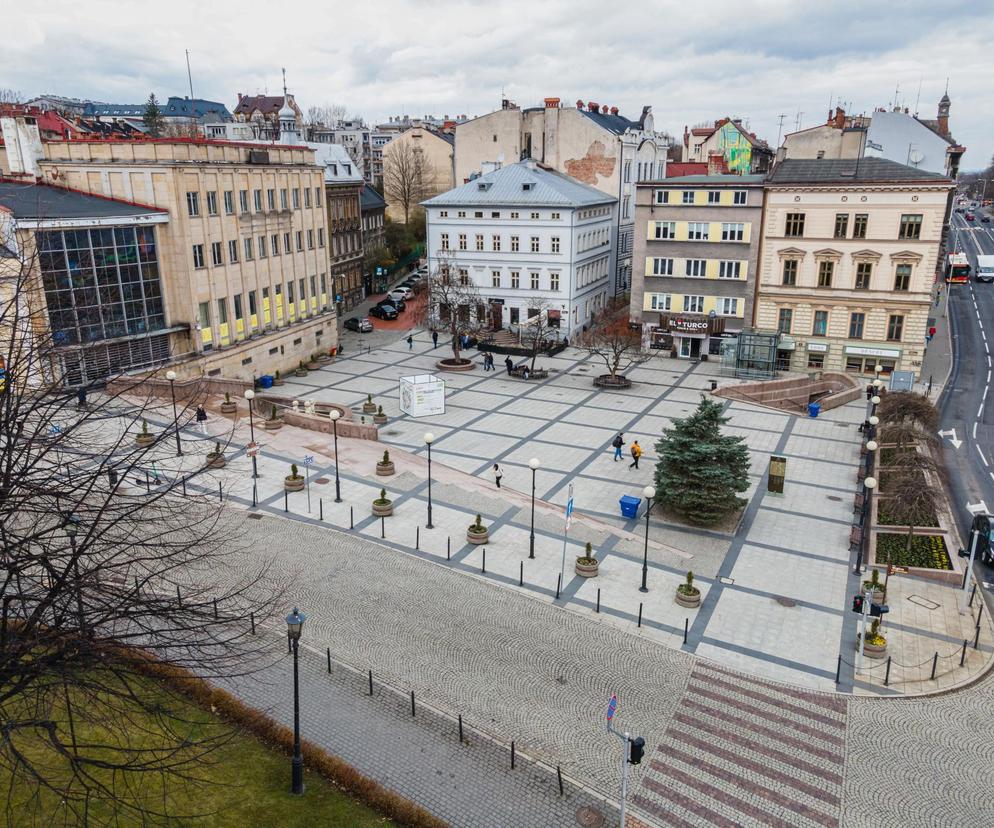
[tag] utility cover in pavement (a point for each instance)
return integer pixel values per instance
(923, 602)
(589, 817)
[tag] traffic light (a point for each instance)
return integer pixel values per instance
(857, 603)
(636, 750)
(876, 610)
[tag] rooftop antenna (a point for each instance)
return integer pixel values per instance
(918, 97)
(897, 90)
(797, 121)
(189, 75)
(780, 128)
(284, 83)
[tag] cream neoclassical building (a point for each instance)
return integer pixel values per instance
(848, 259)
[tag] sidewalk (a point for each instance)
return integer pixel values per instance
(938, 361)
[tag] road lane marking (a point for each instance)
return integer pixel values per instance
(988, 376)
(975, 431)
(983, 335)
(986, 464)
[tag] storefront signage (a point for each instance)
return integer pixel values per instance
(692, 324)
(818, 347)
(859, 350)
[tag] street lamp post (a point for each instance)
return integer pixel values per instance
(333, 415)
(533, 464)
(171, 376)
(72, 523)
(869, 484)
(648, 493)
(294, 625)
(250, 396)
(429, 438)
(874, 402)
(873, 421)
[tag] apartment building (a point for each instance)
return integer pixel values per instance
(696, 256)
(343, 185)
(849, 256)
(523, 235)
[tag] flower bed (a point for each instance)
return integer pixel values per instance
(927, 551)
(922, 518)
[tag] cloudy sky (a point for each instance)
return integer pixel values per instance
(693, 62)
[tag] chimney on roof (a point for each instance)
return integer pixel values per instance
(579, 104)
(840, 117)
(604, 109)
(239, 97)
(552, 103)
(593, 107)
(614, 110)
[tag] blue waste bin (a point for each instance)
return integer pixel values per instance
(629, 506)
(265, 381)
(813, 409)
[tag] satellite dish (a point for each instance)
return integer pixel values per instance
(916, 156)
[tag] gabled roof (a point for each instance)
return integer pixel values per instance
(847, 170)
(339, 168)
(42, 201)
(177, 107)
(369, 199)
(266, 104)
(506, 186)
(617, 124)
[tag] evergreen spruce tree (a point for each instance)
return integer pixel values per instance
(700, 471)
(154, 122)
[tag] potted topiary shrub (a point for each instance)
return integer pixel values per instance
(369, 407)
(300, 370)
(274, 423)
(277, 379)
(382, 506)
(215, 459)
(687, 595)
(477, 533)
(874, 586)
(323, 357)
(385, 467)
(876, 644)
(586, 564)
(313, 365)
(228, 407)
(144, 439)
(294, 481)
(379, 418)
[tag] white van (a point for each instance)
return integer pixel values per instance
(985, 269)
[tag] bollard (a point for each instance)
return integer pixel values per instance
(412, 702)
(559, 584)
(980, 608)
(351, 521)
(976, 637)
(137, 588)
(183, 481)
(887, 674)
(320, 508)
(383, 526)
(371, 682)
(220, 492)
(417, 537)
(935, 661)
(521, 574)
(286, 501)
(598, 600)
(460, 728)
(255, 494)
(512, 754)
(148, 486)
(484, 560)
(252, 619)
(640, 615)
(179, 598)
(962, 656)
(215, 608)
(448, 548)
(838, 669)
(973, 592)
(559, 774)
(329, 661)
(686, 629)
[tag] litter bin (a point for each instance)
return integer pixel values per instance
(266, 381)
(629, 506)
(813, 409)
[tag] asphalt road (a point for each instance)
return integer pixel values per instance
(964, 404)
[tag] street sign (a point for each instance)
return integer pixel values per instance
(252, 449)
(612, 706)
(569, 508)
(309, 460)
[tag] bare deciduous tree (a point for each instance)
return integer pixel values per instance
(453, 303)
(612, 339)
(10, 96)
(535, 333)
(325, 115)
(408, 177)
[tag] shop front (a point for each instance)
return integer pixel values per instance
(689, 336)
(817, 352)
(864, 359)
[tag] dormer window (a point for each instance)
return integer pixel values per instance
(528, 185)
(483, 186)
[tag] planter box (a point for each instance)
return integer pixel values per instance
(586, 570)
(451, 365)
(607, 381)
(278, 381)
(689, 601)
(228, 408)
(384, 469)
(313, 366)
(874, 650)
(380, 419)
(368, 408)
(383, 510)
(293, 484)
(216, 462)
(478, 538)
(273, 425)
(145, 440)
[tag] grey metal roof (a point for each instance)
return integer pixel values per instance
(842, 170)
(369, 199)
(506, 187)
(40, 201)
(612, 123)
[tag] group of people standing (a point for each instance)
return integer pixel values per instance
(635, 450)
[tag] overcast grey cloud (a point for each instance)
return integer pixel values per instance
(692, 62)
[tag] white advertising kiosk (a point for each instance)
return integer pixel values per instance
(422, 395)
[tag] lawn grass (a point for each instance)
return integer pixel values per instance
(243, 782)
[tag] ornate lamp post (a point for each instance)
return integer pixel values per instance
(171, 376)
(649, 493)
(869, 484)
(873, 421)
(533, 464)
(294, 625)
(250, 396)
(71, 527)
(429, 439)
(334, 415)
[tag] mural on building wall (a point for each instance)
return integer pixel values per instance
(736, 148)
(594, 163)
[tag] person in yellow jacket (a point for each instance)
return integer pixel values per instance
(636, 454)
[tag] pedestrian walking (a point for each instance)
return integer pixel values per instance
(498, 474)
(410, 342)
(434, 338)
(636, 454)
(618, 442)
(202, 419)
(488, 361)
(155, 474)
(81, 398)
(509, 363)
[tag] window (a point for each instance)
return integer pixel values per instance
(271, 199)
(534, 280)
(274, 243)
(662, 267)
(478, 214)
(856, 321)
(479, 241)
(462, 241)
(697, 230)
(257, 200)
(534, 216)
(696, 267)
(317, 195)
(660, 301)
(495, 278)
(233, 251)
(790, 272)
(553, 216)
(902, 277)
(554, 282)
(303, 292)
(732, 232)
(514, 244)
(204, 312)
(243, 201)
(286, 243)
(841, 225)
(895, 326)
(714, 197)
(253, 309)
(693, 304)
(461, 214)
(688, 196)
(816, 360)
(665, 230)
(820, 325)
(249, 249)
(216, 257)
(534, 244)
(825, 270)
(314, 285)
(307, 196)
(283, 203)
(198, 255)
(728, 306)
(859, 225)
(739, 197)
(289, 292)
(515, 279)
(222, 311)
(238, 306)
(662, 196)
(495, 239)
(911, 227)
(514, 215)
(310, 239)
(229, 203)
(555, 244)
(463, 276)
(864, 270)
(193, 204)
(495, 214)
(444, 241)
(212, 203)
(729, 270)
(295, 198)
(300, 235)
(795, 225)
(784, 320)
(262, 247)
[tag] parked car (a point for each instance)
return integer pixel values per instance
(383, 311)
(398, 304)
(960, 209)
(985, 219)
(401, 293)
(358, 324)
(969, 216)
(414, 277)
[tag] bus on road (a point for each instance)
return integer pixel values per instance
(957, 269)
(985, 269)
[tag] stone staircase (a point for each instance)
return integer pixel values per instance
(794, 393)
